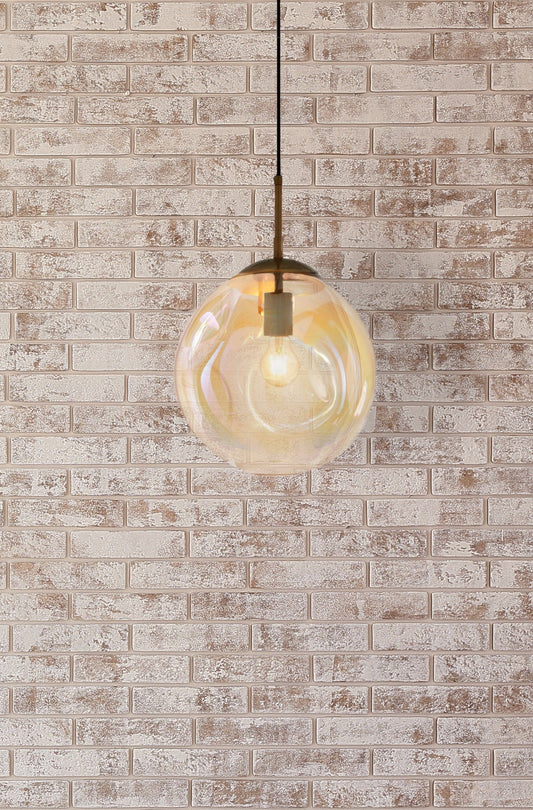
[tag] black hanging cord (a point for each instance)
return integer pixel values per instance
(278, 241)
(278, 87)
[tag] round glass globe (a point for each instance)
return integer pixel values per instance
(275, 404)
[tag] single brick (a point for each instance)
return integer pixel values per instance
(492, 793)
(249, 47)
(256, 109)
(513, 762)
(511, 13)
(115, 793)
(34, 110)
(57, 264)
(368, 543)
(34, 669)
(374, 109)
(188, 79)
(307, 574)
(340, 668)
(135, 110)
(184, 512)
(371, 45)
(129, 606)
(70, 699)
(304, 511)
(311, 78)
(16, 794)
(186, 16)
(431, 699)
(482, 481)
(471, 107)
(493, 233)
(512, 699)
(484, 731)
(254, 730)
(189, 762)
(483, 45)
(204, 141)
(90, 16)
(218, 482)
(243, 605)
(32, 544)
(428, 574)
(410, 636)
(228, 793)
(312, 15)
(434, 202)
(64, 762)
(514, 202)
(62, 575)
(441, 264)
(23, 731)
(512, 76)
(480, 542)
(68, 78)
(247, 543)
(72, 141)
(423, 512)
(312, 762)
(513, 140)
(422, 78)
(428, 140)
(373, 731)
(69, 450)
(70, 638)
(190, 201)
(373, 792)
(66, 512)
(65, 387)
(431, 762)
(368, 606)
(72, 202)
(387, 481)
(308, 637)
(135, 668)
(472, 606)
(28, 607)
(196, 574)
(33, 48)
(134, 48)
(318, 140)
(71, 326)
(250, 668)
(194, 637)
(133, 731)
(439, 14)
(133, 171)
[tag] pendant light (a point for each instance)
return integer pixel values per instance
(275, 372)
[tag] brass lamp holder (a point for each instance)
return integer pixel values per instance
(278, 305)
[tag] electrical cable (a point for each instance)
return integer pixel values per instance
(278, 87)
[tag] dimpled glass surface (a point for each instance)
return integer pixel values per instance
(270, 428)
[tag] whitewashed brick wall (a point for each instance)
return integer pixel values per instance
(177, 633)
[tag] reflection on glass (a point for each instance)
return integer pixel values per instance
(275, 404)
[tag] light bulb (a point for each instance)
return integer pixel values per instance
(275, 371)
(279, 364)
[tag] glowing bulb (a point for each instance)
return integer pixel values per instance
(279, 365)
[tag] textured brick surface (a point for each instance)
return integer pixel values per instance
(174, 632)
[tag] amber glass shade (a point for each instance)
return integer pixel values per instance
(275, 404)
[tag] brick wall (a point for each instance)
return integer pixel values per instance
(175, 632)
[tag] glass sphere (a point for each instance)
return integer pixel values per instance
(281, 402)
